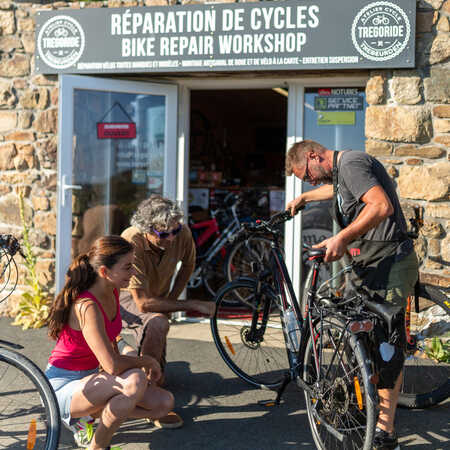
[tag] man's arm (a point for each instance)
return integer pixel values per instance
(186, 269)
(377, 208)
(324, 192)
(167, 305)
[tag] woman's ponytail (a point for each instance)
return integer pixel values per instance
(79, 277)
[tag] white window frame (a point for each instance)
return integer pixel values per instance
(67, 85)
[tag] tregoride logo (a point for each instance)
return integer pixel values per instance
(381, 31)
(61, 42)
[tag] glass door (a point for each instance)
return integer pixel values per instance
(333, 116)
(117, 146)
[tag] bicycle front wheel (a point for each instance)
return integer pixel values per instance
(243, 254)
(426, 373)
(341, 411)
(249, 335)
(29, 414)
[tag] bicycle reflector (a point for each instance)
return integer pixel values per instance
(358, 393)
(360, 326)
(230, 345)
(31, 442)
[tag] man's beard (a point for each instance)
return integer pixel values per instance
(324, 176)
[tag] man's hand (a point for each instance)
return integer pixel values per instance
(204, 307)
(295, 204)
(151, 367)
(336, 247)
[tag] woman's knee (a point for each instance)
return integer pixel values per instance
(135, 384)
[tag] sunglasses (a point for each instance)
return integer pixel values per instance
(307, 176)
(166, 234)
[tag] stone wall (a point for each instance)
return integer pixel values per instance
(407, 128)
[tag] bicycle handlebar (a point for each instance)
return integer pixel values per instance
(267, 226)
(9, 243)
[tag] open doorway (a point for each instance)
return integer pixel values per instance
(237, 148)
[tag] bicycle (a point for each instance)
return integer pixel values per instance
(214, 257)
(268, 341)
(426, 374)
(29, 413)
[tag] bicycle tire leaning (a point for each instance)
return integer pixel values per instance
(426, 373)
(28, 406)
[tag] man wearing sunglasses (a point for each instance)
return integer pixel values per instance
(161, 242)
(373, 229)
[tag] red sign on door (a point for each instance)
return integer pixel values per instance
(116, 130)
(324, 91)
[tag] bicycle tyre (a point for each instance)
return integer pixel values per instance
(16, 412)
(239, 258)
(339, 406)
(213, 275)
(426, 381)
(259, 360)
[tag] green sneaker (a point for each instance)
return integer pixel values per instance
(83, 431)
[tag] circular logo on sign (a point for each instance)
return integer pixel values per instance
(380, 31)
(61, 42)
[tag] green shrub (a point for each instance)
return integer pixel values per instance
(34, 307)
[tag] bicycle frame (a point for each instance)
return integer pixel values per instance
(287, 299)
(222, 238)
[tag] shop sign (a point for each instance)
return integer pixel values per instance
(336, 118)
(277, 35)
(339, 103)
(116, 130)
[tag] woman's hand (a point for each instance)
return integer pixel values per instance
(151, 367)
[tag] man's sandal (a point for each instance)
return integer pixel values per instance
(171, 420)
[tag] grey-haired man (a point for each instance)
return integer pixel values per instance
(161, 242)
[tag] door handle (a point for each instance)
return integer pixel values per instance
(65, 187)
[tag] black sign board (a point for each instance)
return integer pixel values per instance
(277, 35)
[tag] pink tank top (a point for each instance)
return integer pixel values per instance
(72, 352)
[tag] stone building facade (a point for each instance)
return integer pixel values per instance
(407, 128)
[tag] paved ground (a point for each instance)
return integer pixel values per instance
(223, 413)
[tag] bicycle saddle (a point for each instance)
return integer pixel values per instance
(316, 252)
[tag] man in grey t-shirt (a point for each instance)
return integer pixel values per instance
(369, 214)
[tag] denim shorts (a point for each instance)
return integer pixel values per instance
(65, 383)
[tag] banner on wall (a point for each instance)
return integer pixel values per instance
(277, 35)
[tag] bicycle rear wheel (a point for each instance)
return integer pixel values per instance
(341, 412)
(213, 274)
(29, 414)
(249, 335)
(426, 373)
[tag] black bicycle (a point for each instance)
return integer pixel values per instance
(29, 414)
(265, 340)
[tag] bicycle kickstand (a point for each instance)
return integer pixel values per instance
(282, 388)
(280, 391)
